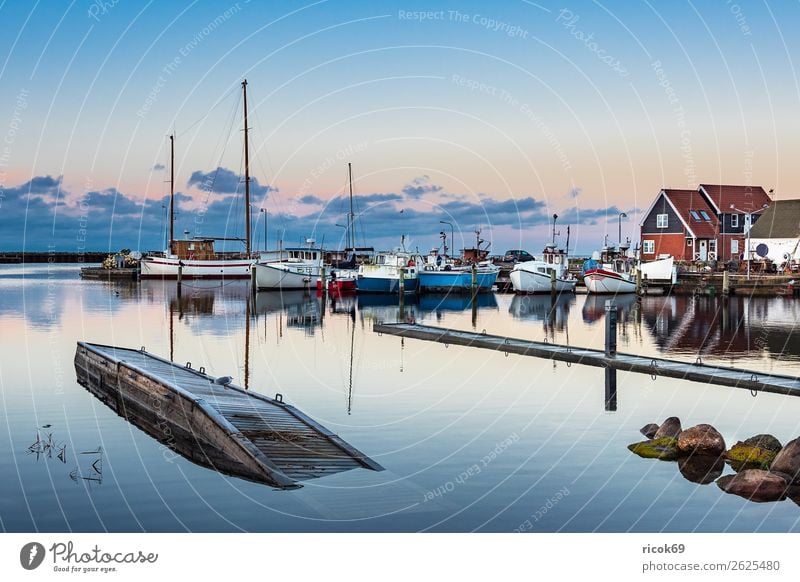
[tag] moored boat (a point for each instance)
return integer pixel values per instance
(544, 276)
(458, 279)
(300, 270)
(383, 275)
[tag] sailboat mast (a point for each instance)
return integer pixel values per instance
(350, 216)
(171, 190)
(246, 171)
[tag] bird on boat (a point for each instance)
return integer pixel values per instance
(223, 380)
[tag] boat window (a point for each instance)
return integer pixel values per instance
(381, 260)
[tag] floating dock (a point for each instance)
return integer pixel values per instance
(213, 423)
(695, 372)
(103, 274)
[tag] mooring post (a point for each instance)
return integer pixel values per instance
(324, 282)
(553, 281)
(474, 280)
(611, 329)
(253, 286)
(402, 283)
(726, 283)
(180, 276)
(638, 281)
(402, 288)
(611, 352)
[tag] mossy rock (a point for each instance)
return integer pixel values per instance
(766, 442)
(747, 456)
(663, 448)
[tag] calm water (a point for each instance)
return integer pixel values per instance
(471, 440)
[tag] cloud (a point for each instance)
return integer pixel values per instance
(225, 181)
(420, 186)
(574, 192)
(159, 167)
(310, 199)
(577, 215)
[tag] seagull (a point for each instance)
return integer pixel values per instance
(223, 380)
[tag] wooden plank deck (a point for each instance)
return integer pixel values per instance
(234, 431)
(695, 372)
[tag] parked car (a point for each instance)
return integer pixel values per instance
(517, 256)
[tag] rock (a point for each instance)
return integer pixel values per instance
(755, 485)
(756, 452)
(701, 469)
(765, 441)
(669, 428)
(788, 461)
(649, 430)
(702, 439)
(664, 448)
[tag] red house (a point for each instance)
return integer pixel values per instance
(706, 224)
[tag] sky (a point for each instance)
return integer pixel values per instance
(490, 117)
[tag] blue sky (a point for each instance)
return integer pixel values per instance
(484, 115)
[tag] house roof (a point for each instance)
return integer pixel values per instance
(780, 220)
(751, 199)
(683, 202)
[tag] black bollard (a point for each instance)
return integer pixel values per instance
(611, 329)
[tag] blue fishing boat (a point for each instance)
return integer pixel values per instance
(383, 275)
(453, 279)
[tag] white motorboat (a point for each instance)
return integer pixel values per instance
(536, 276)
(301, 269)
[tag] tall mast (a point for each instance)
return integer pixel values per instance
(246, 170)
(171, 190)
(350, 216)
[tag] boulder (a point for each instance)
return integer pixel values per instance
(669, 428)
(702, 469)
(702, 439)
(649, 430)
(755, 485)
(664, 448)
(756, 452)
(788, 461)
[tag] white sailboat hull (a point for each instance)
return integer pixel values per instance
(602, 281)
(167, 268)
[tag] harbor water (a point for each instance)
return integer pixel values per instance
(470, 440)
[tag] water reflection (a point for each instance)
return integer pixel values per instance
(552, 311)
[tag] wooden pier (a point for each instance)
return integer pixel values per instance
(609, 359)
(213, 423)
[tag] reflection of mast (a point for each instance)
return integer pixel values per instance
(171, 333)
(352, 343)
(247, 346)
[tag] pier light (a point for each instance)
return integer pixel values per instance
(619, 232)
(452, 232)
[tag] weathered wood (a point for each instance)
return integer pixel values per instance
(695, 372)
(238, 432)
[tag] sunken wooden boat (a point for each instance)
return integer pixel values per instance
(213, 423)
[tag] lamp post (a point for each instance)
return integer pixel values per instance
(452, 231)
(619, 231)
(748, 222)
(266, 215)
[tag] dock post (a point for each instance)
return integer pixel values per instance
(474, 279)
(552, 281)
(180, 276)
(726, 283)
(611, 352)
(611, 329)
(324, 282)
(638, 281)
(253, 286)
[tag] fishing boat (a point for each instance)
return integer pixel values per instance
(546, 275)
(343, 275)
(300, 269)
(449, 279)
(609, 271)
(384, 274)
(196, 258)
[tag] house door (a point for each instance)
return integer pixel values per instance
(703, 250)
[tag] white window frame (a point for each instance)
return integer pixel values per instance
(651, 244)
(662, 220)
(735, 247)
(734, 221)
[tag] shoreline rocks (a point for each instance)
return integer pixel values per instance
(755, 484)
(669, 428)
(663, 448)
(788, 461)
(757, 452)
(702, 439)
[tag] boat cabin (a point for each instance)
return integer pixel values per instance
(304, 255)
(197, 249)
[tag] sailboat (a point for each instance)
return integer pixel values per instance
(196, 257)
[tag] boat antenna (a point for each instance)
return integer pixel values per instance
(350, 216)
(567, 249)
(171, 191)
(246, 170)
(555, 217)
